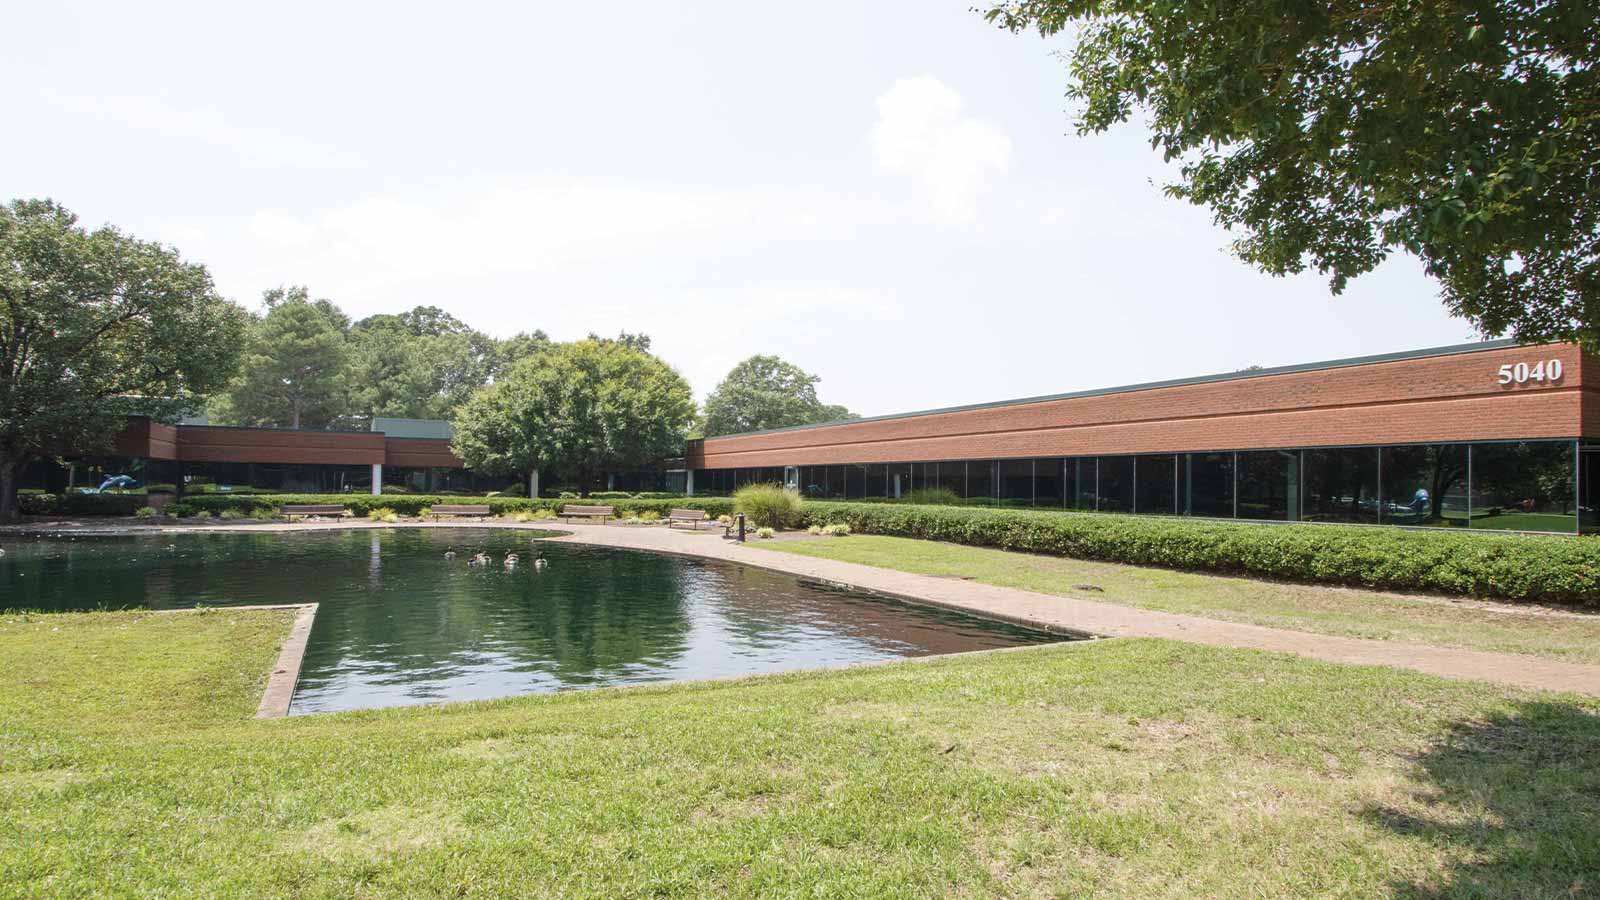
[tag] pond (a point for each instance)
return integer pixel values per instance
(400, 623)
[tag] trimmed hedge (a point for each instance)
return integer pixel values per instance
(81, 504)
(412, 504)
(1508, 567)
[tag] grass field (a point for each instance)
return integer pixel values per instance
(129, 766)
(1574, 637)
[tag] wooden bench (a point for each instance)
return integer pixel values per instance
(447, 509)
(587, 512)
(290, 510)
(692, 516)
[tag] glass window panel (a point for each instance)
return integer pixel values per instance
(877, 480)
(1425, 485)
(1082, 472)
(1589, 484)
(1341, 485)
(953, 477)
(855, 481)
(980, 480)
(1205, 485)
(1015, 482)
(1157, 484)
(1269, 485)
(1527, 486)
(1048, 489)
(900, 481)
(1116, 484)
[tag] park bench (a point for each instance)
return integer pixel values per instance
(447, 509)
(587, 512)
(692, 516)
(290, 510)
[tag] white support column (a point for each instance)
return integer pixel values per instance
(533, 484)
(688, 482)
(377, 479)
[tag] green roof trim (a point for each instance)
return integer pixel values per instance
(1451, 350)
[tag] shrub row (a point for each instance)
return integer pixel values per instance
(412, 504)
(80, 504)
(1508, 567)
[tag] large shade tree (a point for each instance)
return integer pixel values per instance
(95, 326)
(1330, 135)
(420, 364)
(767, 392)
(576, 410)
(294, 369)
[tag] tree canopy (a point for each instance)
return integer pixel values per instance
(294, 365)
(576, 410)
(95, 326)
(767, 392)
(1331, 135)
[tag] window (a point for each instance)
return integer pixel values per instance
(952, 476)
(1015, 485)
(1527, 486)
(1047, 483)
(980, 479)
(1116, 484)
(1157, 485)
(1083, 475)
(1425, 484)
(855, 482)
(1205, 485)
(1341, 485)
(1589, 487)
(877, 480)
(1269, 485)
(821, 482)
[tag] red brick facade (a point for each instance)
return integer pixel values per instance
(1449, 396)
(205, 443)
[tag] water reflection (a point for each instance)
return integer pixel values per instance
(401, 623)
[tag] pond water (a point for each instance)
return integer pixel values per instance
(399, 623)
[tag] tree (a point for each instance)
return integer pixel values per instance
(767, 392)
(294, 366)
(420, 364)
(95, 326)
(576, 410)
(1332, 135)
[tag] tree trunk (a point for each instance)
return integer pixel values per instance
(8, 490)
(295, 414)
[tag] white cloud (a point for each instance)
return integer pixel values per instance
(924, 132)
(254, 145)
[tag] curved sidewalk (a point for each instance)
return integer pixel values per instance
(1060, 613)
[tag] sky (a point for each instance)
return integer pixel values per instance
(889, 194)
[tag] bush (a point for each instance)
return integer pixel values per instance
(838, 529)
(516, 489)
(80, 504)
(658, 495)
(768, 505)
(382, 514)
(180, 510)
(202, 514)
(610, 495)
(413, 504)
(765, 533)
(934, 496)
(146, 512)
(232, 514)
(1509, 567)
(649, 515)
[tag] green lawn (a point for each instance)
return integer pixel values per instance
(1324, 610)
(129, 766)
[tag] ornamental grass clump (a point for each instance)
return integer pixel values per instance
(768, 505)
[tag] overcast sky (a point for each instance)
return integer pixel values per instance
(888, 194)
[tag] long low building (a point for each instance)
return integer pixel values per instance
(1489, 435)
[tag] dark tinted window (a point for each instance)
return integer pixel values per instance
(980, 479)
(953, 476)
(1015, 486)
(877, 480)
(1116, 484)
(1589, 498)
(1157, 484)
(1205, 485)
(1269, 484)
(1047, 485)
(855, 482)
(1425, 485)
(1082, 472)
(1527, 486)
(1341, 485)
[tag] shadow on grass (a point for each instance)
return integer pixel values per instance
(1513, 800)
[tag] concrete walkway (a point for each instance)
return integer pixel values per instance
(1079, 615)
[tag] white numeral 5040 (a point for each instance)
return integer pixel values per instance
(1522, 373)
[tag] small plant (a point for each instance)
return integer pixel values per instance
(839, 529)
(768, 504)
(649, 515)
(382, 514)
(231, 514)
(934, 496)
(542, 513)
(202, 514)
(425, 511)
(814, 529)
(145, 512)
(520, 515)
(765, 533)
(724, 519)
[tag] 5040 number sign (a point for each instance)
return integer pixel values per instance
(1522, 373)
